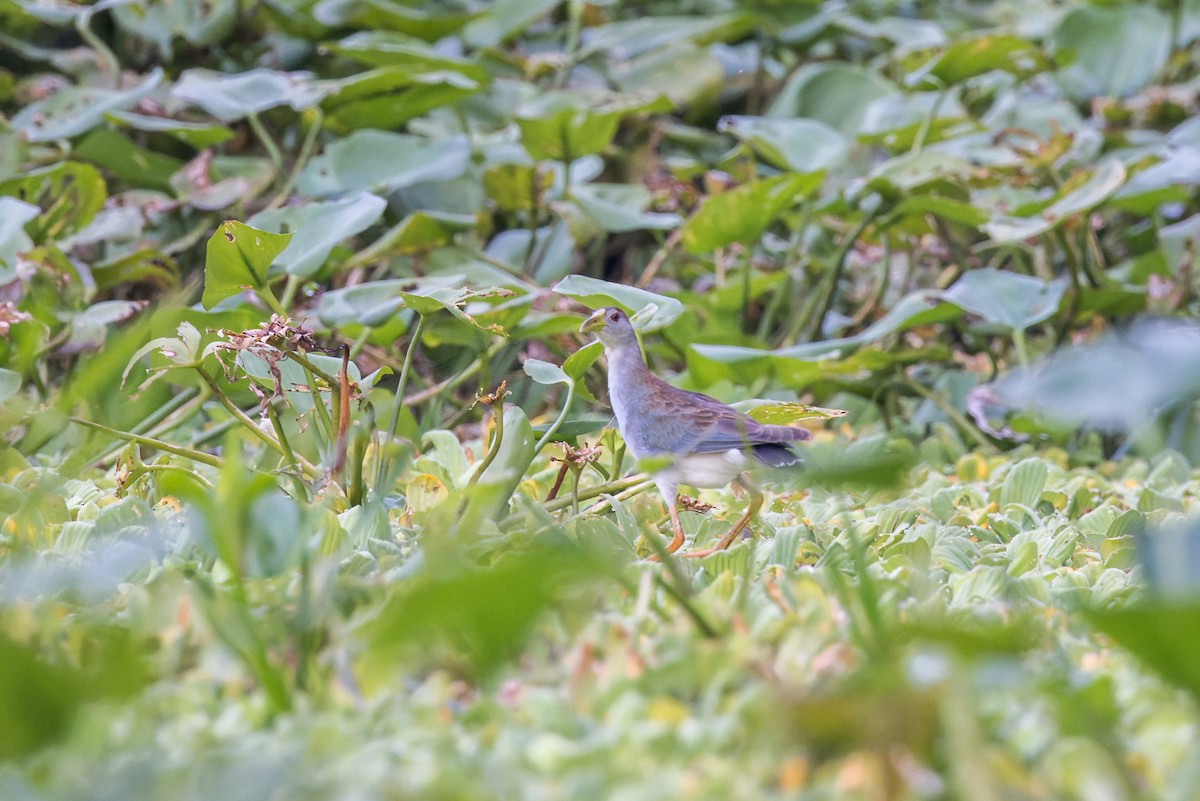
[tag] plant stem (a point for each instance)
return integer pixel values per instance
(835, 273)
(306, 149)
(394, 418)
(561, 417)
(267, 141)
(177, 450)
(955, 415)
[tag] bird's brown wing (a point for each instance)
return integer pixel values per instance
(712, 426)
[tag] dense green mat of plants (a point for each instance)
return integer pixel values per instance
(306, 489)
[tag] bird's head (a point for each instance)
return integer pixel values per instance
(611, 326)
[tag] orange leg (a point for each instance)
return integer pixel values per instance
(756, 502)
(677, 540)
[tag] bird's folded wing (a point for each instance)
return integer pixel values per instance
(712, 426)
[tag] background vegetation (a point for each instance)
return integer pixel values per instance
(306, 490)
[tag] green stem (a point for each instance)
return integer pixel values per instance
(394, 417)
(306, 467)
(955, 415)
(927, 123)
(177, 450)
(289, 290)
(268, 297)
(835, 273)
(288, 454)
(83, 25)
(173, 408)
(267, 141)
(561, 417)
(306, 149)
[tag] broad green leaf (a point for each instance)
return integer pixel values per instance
(798, 145)
(196, 134)
(652, 311)
(377, 160)
(544, 372)
(233, 96)
(1111, 50)
(505, 18)
(127, 160)
(391, 49)
(317, 228)
(1106, 178)
(199, 22)
(743, 213)
(567, 124)
(1009, 299)
(1024, 483)
(972, 56)
(75, 110)
(1151, 632)
(238, 257)
(10, 383)
(388, 97)
(70, 193)
(578, 362)
(834, 93)
(620, 207)
(429, 23)
(779, 413)
(657, 72)
(489, 497)
(14, 214)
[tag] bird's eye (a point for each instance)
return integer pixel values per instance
(614, 316)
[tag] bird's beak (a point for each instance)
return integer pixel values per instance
(593, 323)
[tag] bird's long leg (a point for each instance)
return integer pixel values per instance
(756, 502)
(677, 540)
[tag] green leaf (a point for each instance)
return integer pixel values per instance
(1024, 483)
(75, 110)
(317, 228)
(742, 214)
(565, 125)
(545, 373)
(70, 193)
(620, 207)
(381, 161)
(392, 49)
(1009, 299)
(199, 22)
(238, 257)
(196, 134)
(1151, 632)
(388, 97)
(972, 56)
(652, 311)
(797, 145)
(235, 96)
(127, 160)
(10, 384)
(1113, 50)
(428, 23)
(1106, 178)
(14, 214)
(780, 413)
(834, 93)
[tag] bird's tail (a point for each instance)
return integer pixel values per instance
(776, 455)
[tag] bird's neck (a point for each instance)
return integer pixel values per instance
(628, 379)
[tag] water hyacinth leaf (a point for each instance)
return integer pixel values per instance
(70, 193)
(629, 38)
(1107, 178)
(199, 22)
(388, 97)
(10, 384)
(75, 110)
(657, 72)
(798, 145)
(1111, 50)
(128, 160)
(653, 311)
(742, 214)
(834, 93)
(238, 257)
(972, 56)
(430, 23)
(620, 207)
(779, 413)
(196, 134)
(578, 362)
(567, 124)
(380, 161)
(317, 228)
(234, 96)
(392, 49)
(14, 214)
(544, 372)
(504, 18)
(427, 299)
(1009, 299)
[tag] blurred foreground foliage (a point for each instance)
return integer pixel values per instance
(306, 488)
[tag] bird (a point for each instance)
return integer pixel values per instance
(710, 444)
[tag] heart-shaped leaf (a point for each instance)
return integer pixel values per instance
(317, 228)
(653, 311)
(238, 257)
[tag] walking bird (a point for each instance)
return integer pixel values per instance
(710, 444)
